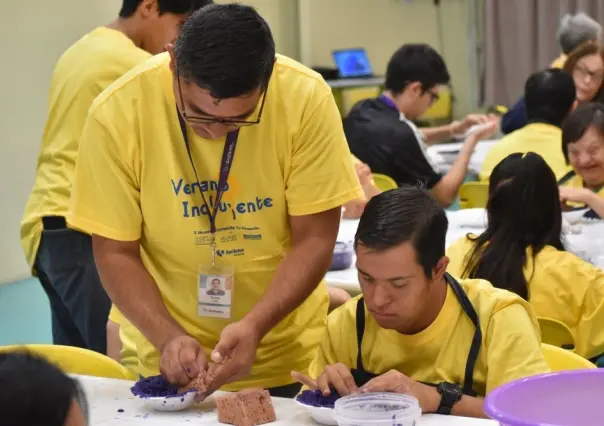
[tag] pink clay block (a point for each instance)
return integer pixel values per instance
(250, 407)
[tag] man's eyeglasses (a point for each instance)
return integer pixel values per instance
(209, 119)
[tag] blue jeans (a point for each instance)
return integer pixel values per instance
(79, 304)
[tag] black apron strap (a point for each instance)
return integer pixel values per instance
(566, 177)
(469, 310)
(360, 322)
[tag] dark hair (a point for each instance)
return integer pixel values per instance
(416, 62)
(405, 214)
(176, 7)
(586, 49)
(35, 392)
(549, 96)
(227, 49)
(587, 115)
(524, 212)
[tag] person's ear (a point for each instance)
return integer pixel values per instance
(415, 88)
(148, 9)
(170, 50)
(440, 269)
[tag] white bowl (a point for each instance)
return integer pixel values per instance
(322, 415)
(170, 403)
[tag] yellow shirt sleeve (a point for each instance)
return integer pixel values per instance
(589, 341)
(513, 346)
(115, 315)
(321, 176)
(111, 210)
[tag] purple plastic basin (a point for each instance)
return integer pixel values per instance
(570, 398)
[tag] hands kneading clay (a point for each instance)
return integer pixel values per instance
(250, 407)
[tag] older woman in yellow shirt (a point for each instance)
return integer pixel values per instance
(583, 148)
(522, 251)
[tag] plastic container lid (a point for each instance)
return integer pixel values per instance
(375, 409)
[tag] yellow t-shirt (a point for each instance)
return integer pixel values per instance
(82, 73)
(540, 138)
(134, 181)
(562, 287)
(510, 342)
(127, 337)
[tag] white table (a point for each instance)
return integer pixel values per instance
(585, 239)
(107, 396)
(443, 155)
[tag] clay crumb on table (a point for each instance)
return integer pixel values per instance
(250, 407)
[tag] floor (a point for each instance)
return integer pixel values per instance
(24, 313)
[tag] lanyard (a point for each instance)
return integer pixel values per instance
(389, 103)
(226, 163)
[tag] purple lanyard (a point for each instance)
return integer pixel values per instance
(228, 154)
(388, 102)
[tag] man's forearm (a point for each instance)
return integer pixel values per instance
(295, 279)
(437, 134)
(135, 293)
(446, 190)
(469, 406)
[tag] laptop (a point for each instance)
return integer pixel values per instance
(352, 63)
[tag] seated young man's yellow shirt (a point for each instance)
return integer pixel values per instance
(540, 138)
(134, 180)
(562, 287)
(87, 68)
(510, 350)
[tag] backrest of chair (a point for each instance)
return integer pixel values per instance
(556, 333)
(562, 360)
(473, 195)
(383, 182)
(77, 360)
(350, 97)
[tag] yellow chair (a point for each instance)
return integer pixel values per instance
(473, 195)
(350, 97)
(562, 360)
(556, 333)
(77, 360)
(383, 182)
(442, 109)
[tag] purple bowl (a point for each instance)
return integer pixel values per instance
(342, 256)
(569, 398)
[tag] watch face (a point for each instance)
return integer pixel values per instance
(450, 390)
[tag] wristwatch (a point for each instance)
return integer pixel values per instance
(450, 394)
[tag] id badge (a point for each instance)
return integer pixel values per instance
(215, 285)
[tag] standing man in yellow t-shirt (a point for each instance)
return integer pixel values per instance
(220, 160)
(61, 257)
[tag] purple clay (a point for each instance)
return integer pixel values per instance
(342, 257)
(315, 398)
(121, 410)
(154, 386)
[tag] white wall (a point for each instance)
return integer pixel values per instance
(33, 34)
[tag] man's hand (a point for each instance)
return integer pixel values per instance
(337, 376)
(363, 173)
(235, 353)
(461, 127)
(395, 381)
(354, 209)
(182, 359)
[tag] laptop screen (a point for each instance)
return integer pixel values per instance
(352, 63)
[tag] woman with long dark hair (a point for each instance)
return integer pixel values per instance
(522, 251)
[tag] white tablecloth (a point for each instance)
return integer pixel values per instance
(107, 396)
(584, 238)
(444, 155)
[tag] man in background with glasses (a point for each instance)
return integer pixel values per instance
(218, 159)
(60, 256)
